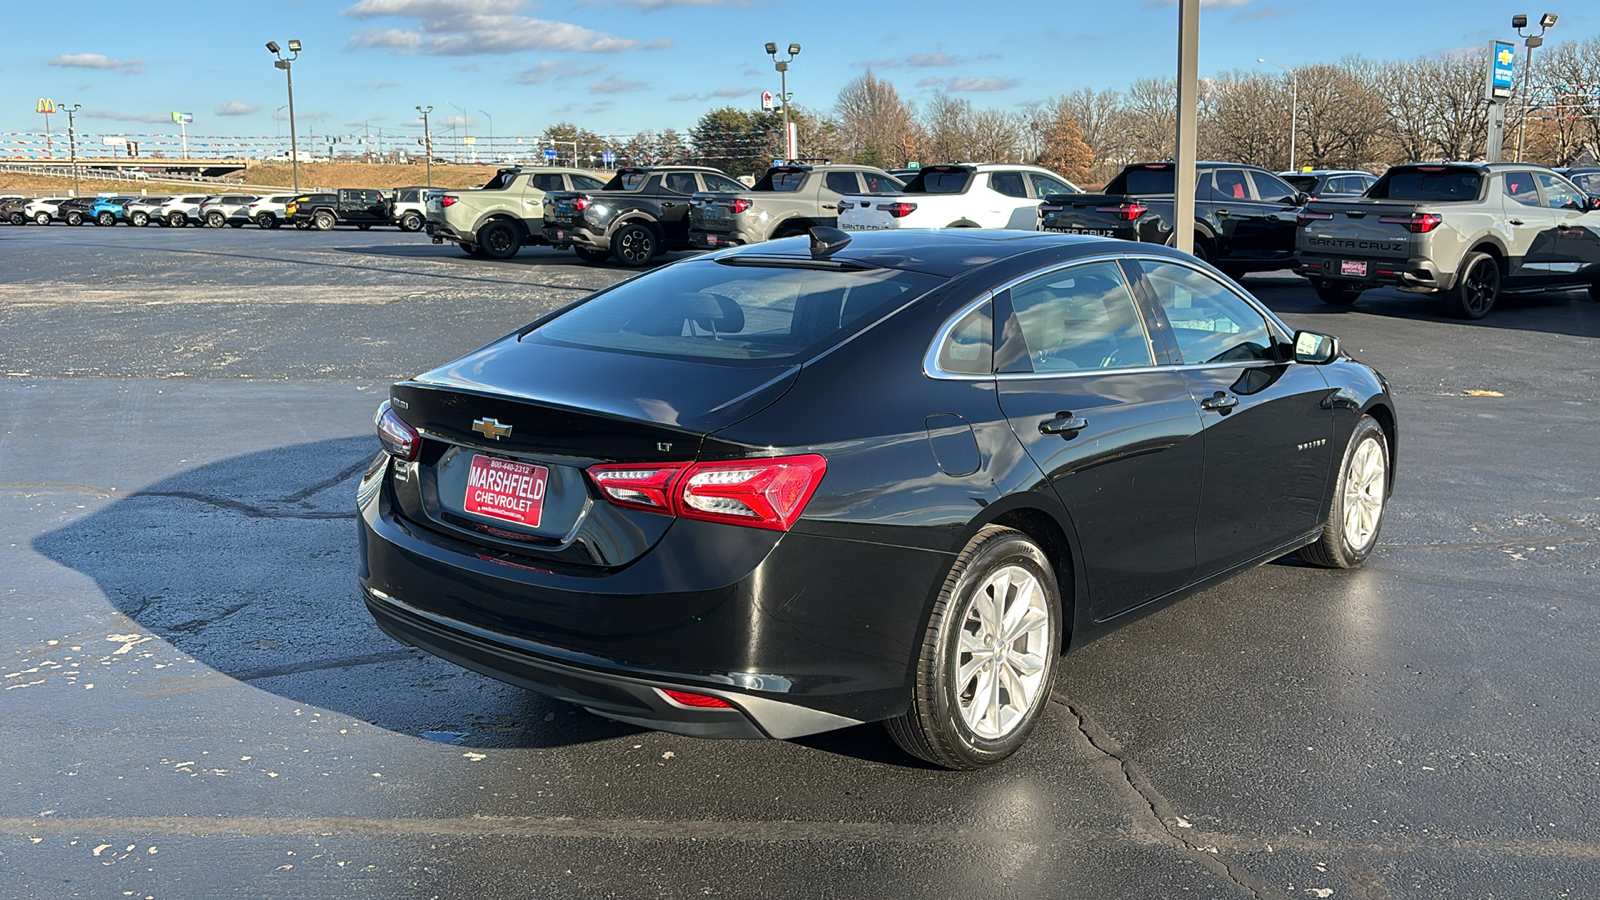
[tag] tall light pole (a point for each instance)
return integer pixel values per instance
(294, 141)
(491, 132)
(782, 65)
(427, 141)
(72, 140)
(1294, 104)
(1519, 22)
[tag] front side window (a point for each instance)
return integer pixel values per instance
(882, 184)
(842, 182)
(1211, 323)
(681, 183)
(1519, 187)
(1271, 188)
(1558, 194)
(715, 182)
(1044, 185)
(1081, 317)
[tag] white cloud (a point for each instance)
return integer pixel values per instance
(237, 108)
(379, 85)
(126, 117)
(475, 27)
(97, 61)
(981, 84)
(553, 68)
(615, 85)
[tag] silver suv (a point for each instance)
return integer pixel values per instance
(269, 212)
(142, 211)
(226, 209)
(181, 210)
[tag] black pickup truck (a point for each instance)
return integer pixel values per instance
(361, 207)
(640, 213)
(1245, 216)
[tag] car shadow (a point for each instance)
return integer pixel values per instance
(1554, 312)
(248, 565)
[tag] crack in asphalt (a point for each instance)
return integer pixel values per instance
(1154, 815)
(349, 471)
(343, 662)
(247, 509)
(193, 626)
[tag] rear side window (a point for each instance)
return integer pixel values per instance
(1210, 323)
(1009, 184)
(842, 182)
(1307, 183)
(882, 184)
(939, 181)
(682, 183)
(547, 183)
(1439, 183)
(586, 183)
(1081, 317)
(969, 348)
(1228, 184)
(734, 314)
(1519, 187)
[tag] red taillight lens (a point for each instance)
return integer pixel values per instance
(1306, 218)
(399, 439)
(738, 205)
(760, 493)
(898, 210)
(1127, 212)
(701, 701)
(448, 200)
(580, 203)
(1416, 223)
(646, 487)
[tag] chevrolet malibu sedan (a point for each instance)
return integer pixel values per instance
(822, 481)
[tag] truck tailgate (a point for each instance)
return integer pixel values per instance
(876, 212)
(1359, 227)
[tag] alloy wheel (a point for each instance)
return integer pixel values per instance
(1483, 283)
(1364, 485)
(635, 247)
(1000, 659)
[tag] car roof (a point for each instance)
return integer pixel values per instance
(946, 252)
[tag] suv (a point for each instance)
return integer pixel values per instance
(514, 197)
(226, 209)
(1319, 183)
(14, 210)
(43, 210)
(966, 195)
(110, 210)
(361, 207)
(181, 210)
(788, 200)
(140, 212)
(408, 206)
(269, 212)
(76, 211)
(640, 212)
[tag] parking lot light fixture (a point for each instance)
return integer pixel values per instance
(283, 63)
(72, 141)
(427, 141)
(782, 65)
(1294, 103)
(1519, 22)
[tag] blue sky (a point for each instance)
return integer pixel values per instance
(620, 66)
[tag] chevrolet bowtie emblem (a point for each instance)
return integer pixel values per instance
(491, 428)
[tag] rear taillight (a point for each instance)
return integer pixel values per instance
(1127, 212)
(399, 439)
(699, 701)
(758, 493)
(447, 200)
(580, 203)
(738, 205)
(899, 209)
(1416, 223)
(1306, 218)
(639, 487)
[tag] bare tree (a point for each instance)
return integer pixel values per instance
(1245, 119)
(1151, 118)
(878, 127)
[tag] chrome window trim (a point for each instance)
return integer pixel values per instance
(930, 359)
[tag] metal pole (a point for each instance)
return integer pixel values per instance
(49, 148)
(294, 141)
(783, 86)
(1527, 100)
(1294, 113)
(1188, 123)
(72, 138)
(491, 132)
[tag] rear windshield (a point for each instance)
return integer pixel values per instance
(781, 180)
(627, 181)
(1142, 181)
(939, 181)
(1429, 183)
(1306, 183)
(586, 183)
(734, 314)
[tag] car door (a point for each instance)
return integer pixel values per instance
(835, 186)
(677, 188)
(1268, 424)
(1226, 193)
(1010, 206)
(1575, 246)
(1275, 214)
(1116, 435)
(1532, 228)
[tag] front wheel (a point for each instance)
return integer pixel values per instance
(106, 218)
(592, 257)
(216, 219)
(410, 222)
(1356, 513)
(19, 219)
(323, 221)
(988, 657)
(634, 246)
(41, 218)
(74, 218)
(1477, 288)
(177, 220)
(1335, 294)
(140, 219)
(266, 220)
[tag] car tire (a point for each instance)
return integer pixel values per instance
(140, 219)
(74, 218)
(323, 221)
(106, 218)
(634, 246)
(953, 694)
(301, 224)
(266, 220)
(177, 220)
(499, 240)
(216, 219)
(1340, 295)
(1359, 499)
(41, 218)
(1477, 288)
(593, 257)
(19, 219)
(411, 222)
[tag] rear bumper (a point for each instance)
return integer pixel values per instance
(700, 239)
(444, 231)
(1414, 275)
(575, 235)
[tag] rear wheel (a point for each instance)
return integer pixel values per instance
(1335, 294)
(364, 225)
(988, 656)
(593, 257)
(140, 219)
(634, 246)
(499, 240)
(177, 220)
(18, 219)
(216, 219)
(301, 224)
(106, 218)
(324, 221)
(1594, 288)
(1477, 288)
(411, 222)
(266, 220)
(41, 218)
(1356, 513)
(74, 218)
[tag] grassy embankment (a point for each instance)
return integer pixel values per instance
(312, 175)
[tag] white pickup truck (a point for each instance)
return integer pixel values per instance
(964, 195)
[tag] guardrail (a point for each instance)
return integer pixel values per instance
(141, 178)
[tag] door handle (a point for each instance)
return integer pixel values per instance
(1221, 402)
(1224, 212)
(667, 205)
(1065, 424)
(829, 206)
(1516, 221)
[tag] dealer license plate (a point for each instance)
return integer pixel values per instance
(503, 489)
(1353, 267)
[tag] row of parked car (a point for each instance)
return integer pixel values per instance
(400, 207)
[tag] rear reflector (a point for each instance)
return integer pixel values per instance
(643, 487)
(398, 438)
(1416, 223)
(700, 701)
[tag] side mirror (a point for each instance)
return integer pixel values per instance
(1301, 198)
(1315, 349)
(1592, 202)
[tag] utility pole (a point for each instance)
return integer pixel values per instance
(782, 65)
(294, 141)
(72, 140)
(1188, 123)
(427, 141)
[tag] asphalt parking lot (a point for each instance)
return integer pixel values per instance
(194, 703)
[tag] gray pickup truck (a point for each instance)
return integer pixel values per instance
(1466, 231)
(786, 201)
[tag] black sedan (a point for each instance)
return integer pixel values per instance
(801, 485)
